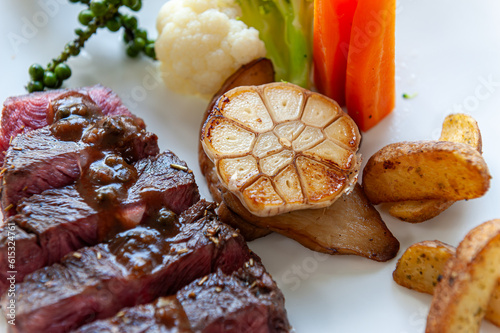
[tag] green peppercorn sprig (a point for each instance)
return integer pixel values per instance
(98, 14)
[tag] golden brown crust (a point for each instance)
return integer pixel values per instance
(425, 170)
(421, 265)
(419, 211)
(457, 127)
(470, 278)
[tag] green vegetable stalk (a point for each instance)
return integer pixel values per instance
(285, 27)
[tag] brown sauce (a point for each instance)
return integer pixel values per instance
(141, 249)
(108, 174)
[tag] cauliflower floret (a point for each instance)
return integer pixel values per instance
(201, 43)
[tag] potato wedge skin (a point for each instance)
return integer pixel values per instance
(470, 277)
(425, 170)
(419, 211)
(462, 128)
(408, 268)
(421, 265)
(457, 127)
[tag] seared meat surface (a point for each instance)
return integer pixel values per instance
(247, 300)
(135, 267)
(24, 113)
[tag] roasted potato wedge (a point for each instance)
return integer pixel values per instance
(462, 128)
(425, 170)
(420, 267)
(469, 279)
(351, 226)
(457, 127)
(418, 211)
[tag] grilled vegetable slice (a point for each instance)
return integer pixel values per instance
(279, 147)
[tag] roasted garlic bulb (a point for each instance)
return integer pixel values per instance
(279, 147)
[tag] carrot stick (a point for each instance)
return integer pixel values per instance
(370, 79)
(332, 34)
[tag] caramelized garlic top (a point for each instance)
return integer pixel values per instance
(279, 147)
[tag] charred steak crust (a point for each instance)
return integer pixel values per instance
(165, 315)
(133, 268)
(164, 178)
(247, 300)
(28, 112)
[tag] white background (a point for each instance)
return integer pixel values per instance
(447, 52)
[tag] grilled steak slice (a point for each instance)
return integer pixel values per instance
(247, 301)
(58, 221)
(135, 267)
(18, 249)
(165, 315)
(40, 160)
(50, 225)
(24, 113)
(164, 180)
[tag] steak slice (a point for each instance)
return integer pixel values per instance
(25, 113)
(135, 267)
(48, 226)
(164, 180)
(39, 160)
(19, 249)
(165, 315)
(58, 221)
(247, 301)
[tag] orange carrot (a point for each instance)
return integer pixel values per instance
(370, 82)
(332, 34)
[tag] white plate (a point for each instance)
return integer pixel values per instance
(448, 52)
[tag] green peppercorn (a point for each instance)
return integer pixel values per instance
(132, 51)
(139, 43)
(150, 50)
(141, 33)
(130, 22)
(86, 16)
(34, 86)
(99, 7)
(79, 32)
(36, 72)
(49, 79)
(127, 3)
(113, 24)
(72, 48)
(136, 6)
(62, 71)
